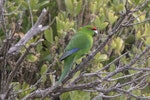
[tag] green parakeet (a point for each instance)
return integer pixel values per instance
(79, 45)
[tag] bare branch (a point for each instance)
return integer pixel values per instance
(140, 69)
(140, 7)
(32, 32)
(126, 76)
(128, 65)
(7, 14)
(108, 65)
(133, 24)
(133, 95)
(101, 95)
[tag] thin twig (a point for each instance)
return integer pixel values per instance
(128, 65)
(31, 15)
(13, 12)
(108, 65)
(133, 95)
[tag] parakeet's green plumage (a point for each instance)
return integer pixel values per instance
(79, 45)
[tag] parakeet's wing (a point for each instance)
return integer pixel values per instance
(83, 42)
(68, 53)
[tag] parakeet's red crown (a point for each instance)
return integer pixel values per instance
(94, 28)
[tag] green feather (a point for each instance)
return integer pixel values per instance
(67, 67)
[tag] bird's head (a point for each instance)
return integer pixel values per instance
(90, 29)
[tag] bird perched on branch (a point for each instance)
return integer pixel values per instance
(80, 44)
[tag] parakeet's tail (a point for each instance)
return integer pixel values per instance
(68, 63)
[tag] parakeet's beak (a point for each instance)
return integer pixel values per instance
(95, 32)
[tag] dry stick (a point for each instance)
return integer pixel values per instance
(122, 85)
(92, 84)
(139, 7)
(126, 76)
(140, 69)
(3, 50)
(105, 96)
(32, 32)
(2, 19)
(132, 81)
(14, 11)
(108, 65)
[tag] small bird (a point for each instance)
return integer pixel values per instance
(79, 45)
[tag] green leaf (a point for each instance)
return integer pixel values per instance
(44, 78)
(65, 96)
(43, 69)
(113, 44)
(111, 17)
(79, 95)
(31, 58)
(102, 17)
(147, 41)
(99, 23)
(33, 4)
(93, 6)
(78, 7)
(39, 47)
(138, 35)
(69, 6)
(43, 3)
(119, 45)
(26, 24)
(49, 35)
(136, 1)
(119, 7)
(103, 25)
(45, 56)
(101, 57)
(112, 67)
